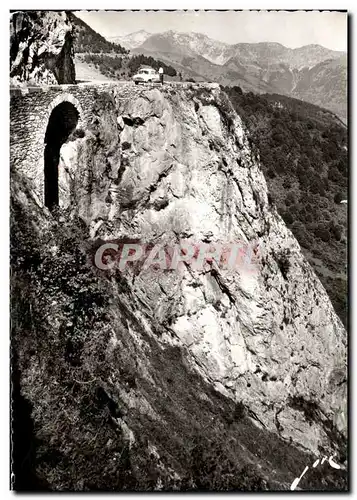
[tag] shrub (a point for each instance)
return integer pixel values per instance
(309, 217)
(290, 198)
(288, 218)
(238, 90)
(283, 261)
(334, 175)
(338, 197)
(214, 469)
(322, 233)
(336, 231)
(239, 411)
(325, 215)
(301, 234)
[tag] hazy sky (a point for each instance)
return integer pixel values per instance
(292, 29)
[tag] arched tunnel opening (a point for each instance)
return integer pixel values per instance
(63, 121)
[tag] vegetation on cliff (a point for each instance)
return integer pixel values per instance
(303, 153)
(98, 405)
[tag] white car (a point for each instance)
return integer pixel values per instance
(146, 75)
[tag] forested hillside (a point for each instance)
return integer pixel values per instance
(111, 59)
(88, 40)
(303, 152)
(124, 67)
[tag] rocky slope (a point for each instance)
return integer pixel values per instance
(41, 48)
(156, 379)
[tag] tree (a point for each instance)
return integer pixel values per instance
(342, 165)
(290, 198)
(338, 197)
(309, 217)
(271, 173)
(314, 186)
(337, 232)
(322, 233)
(238, 90)
(334, 175)
(301, 234)
(288, 218)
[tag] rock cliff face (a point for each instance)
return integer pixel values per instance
(166, 166)
(41, 48)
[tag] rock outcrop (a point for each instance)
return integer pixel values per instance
(166, 166)
(41, 49)
(181, 169)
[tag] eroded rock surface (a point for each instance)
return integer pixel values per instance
(41, 49)
(180, 169)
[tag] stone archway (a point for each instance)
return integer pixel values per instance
(62, 122)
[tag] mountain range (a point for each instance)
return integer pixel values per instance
(132, 40)
(312, 72)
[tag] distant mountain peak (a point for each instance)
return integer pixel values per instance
(132, 40)
(139, 32)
